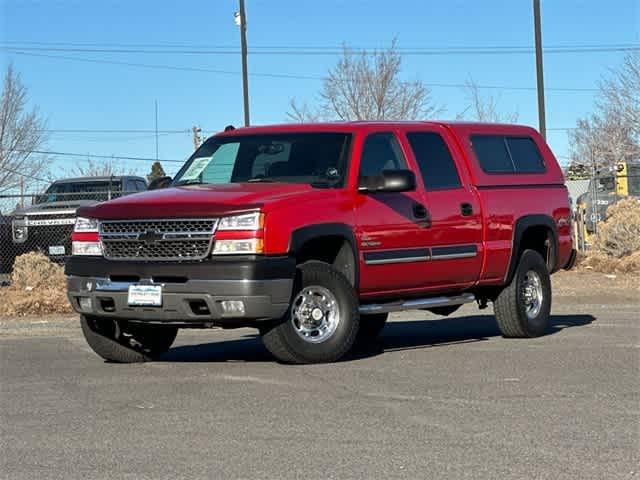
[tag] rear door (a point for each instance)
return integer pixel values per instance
(455, 235)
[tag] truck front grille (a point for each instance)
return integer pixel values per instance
(158, 240)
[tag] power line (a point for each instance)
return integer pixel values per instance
(186, 45)
(26, 175)
(332, 50)
(166, 67)
(94, 155)
(278, 75)
(91, 130)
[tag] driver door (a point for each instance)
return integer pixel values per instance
(390, 227)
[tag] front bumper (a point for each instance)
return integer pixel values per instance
(191, 292)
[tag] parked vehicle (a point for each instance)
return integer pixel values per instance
(47, 224)
(314, 233)
(605, 190)
(6, 261)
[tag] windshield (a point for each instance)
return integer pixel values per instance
(634, 179)
(100, 191)
(606, 184)
(313, 158)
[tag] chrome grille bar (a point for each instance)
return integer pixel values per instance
(179, 239)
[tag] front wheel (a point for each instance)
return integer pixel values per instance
(322, 322)
(125, 342)
(522, 309)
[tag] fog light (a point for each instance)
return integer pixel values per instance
(232, 308)
(85, 304)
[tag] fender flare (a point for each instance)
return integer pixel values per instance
(305, 234)
(521, 225)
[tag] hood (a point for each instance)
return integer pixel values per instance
(200, 200)
(53, 207)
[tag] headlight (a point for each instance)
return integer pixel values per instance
(246, 221)
(20, 232)
(86, 225)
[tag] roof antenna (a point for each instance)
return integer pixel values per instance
(228, 128)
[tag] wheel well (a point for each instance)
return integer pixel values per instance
(334, 250)
(541, 239)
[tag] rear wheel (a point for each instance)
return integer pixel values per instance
(322, 321)
(522, 309)
(126, 342)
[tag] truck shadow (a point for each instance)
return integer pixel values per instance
(397, 335)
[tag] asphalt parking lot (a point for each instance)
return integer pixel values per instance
(435, 398)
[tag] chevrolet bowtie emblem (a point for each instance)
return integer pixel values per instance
(150, 236)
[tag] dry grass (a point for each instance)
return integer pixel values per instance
(38, 286)
(617, 245)
(601, 262)
(619, 235)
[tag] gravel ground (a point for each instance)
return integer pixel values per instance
(434, 398)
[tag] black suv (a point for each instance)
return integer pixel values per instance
(47, 224)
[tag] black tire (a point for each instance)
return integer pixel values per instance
(371, 326)
(284, 342)
(126, 343)
(510, 307)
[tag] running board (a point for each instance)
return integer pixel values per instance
(417, 304)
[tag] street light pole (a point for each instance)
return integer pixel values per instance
(540, 75)
(243, 46)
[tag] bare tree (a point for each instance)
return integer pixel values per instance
(301, 113)
(484, 108)
(621, 93)
(367, 86)
(22, 133)
(101, 168)
(612, 133)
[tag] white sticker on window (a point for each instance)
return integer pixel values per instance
(196, 168)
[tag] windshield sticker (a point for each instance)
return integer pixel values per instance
(196, 168)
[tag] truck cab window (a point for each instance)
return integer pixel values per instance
(381, 151)
(437, 167)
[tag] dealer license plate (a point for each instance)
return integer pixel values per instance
(56, 250)
(145, 295)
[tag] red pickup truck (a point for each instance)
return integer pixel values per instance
(313, 233)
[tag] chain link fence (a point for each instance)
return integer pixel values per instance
(43, 222)
(592, 198)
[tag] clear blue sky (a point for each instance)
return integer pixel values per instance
(103, 96)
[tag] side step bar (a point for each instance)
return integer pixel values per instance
(416, 304)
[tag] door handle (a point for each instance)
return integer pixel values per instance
(466, 209)
(420, 211)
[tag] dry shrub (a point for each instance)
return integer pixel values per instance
(619, 235)
(38, 286)
(601, 262)
(34, 269)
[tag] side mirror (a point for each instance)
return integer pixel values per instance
(160, 182)
(390, 181)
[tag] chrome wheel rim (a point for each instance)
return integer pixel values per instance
(315, 314)
(532, 294)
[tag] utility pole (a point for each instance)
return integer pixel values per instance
(241, 21)
(540, 75)
(197, 139)
(21, 191)
(156, 130)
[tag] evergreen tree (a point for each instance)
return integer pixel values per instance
(156, 171)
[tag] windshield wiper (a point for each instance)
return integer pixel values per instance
(188, 182)
(261, 180)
